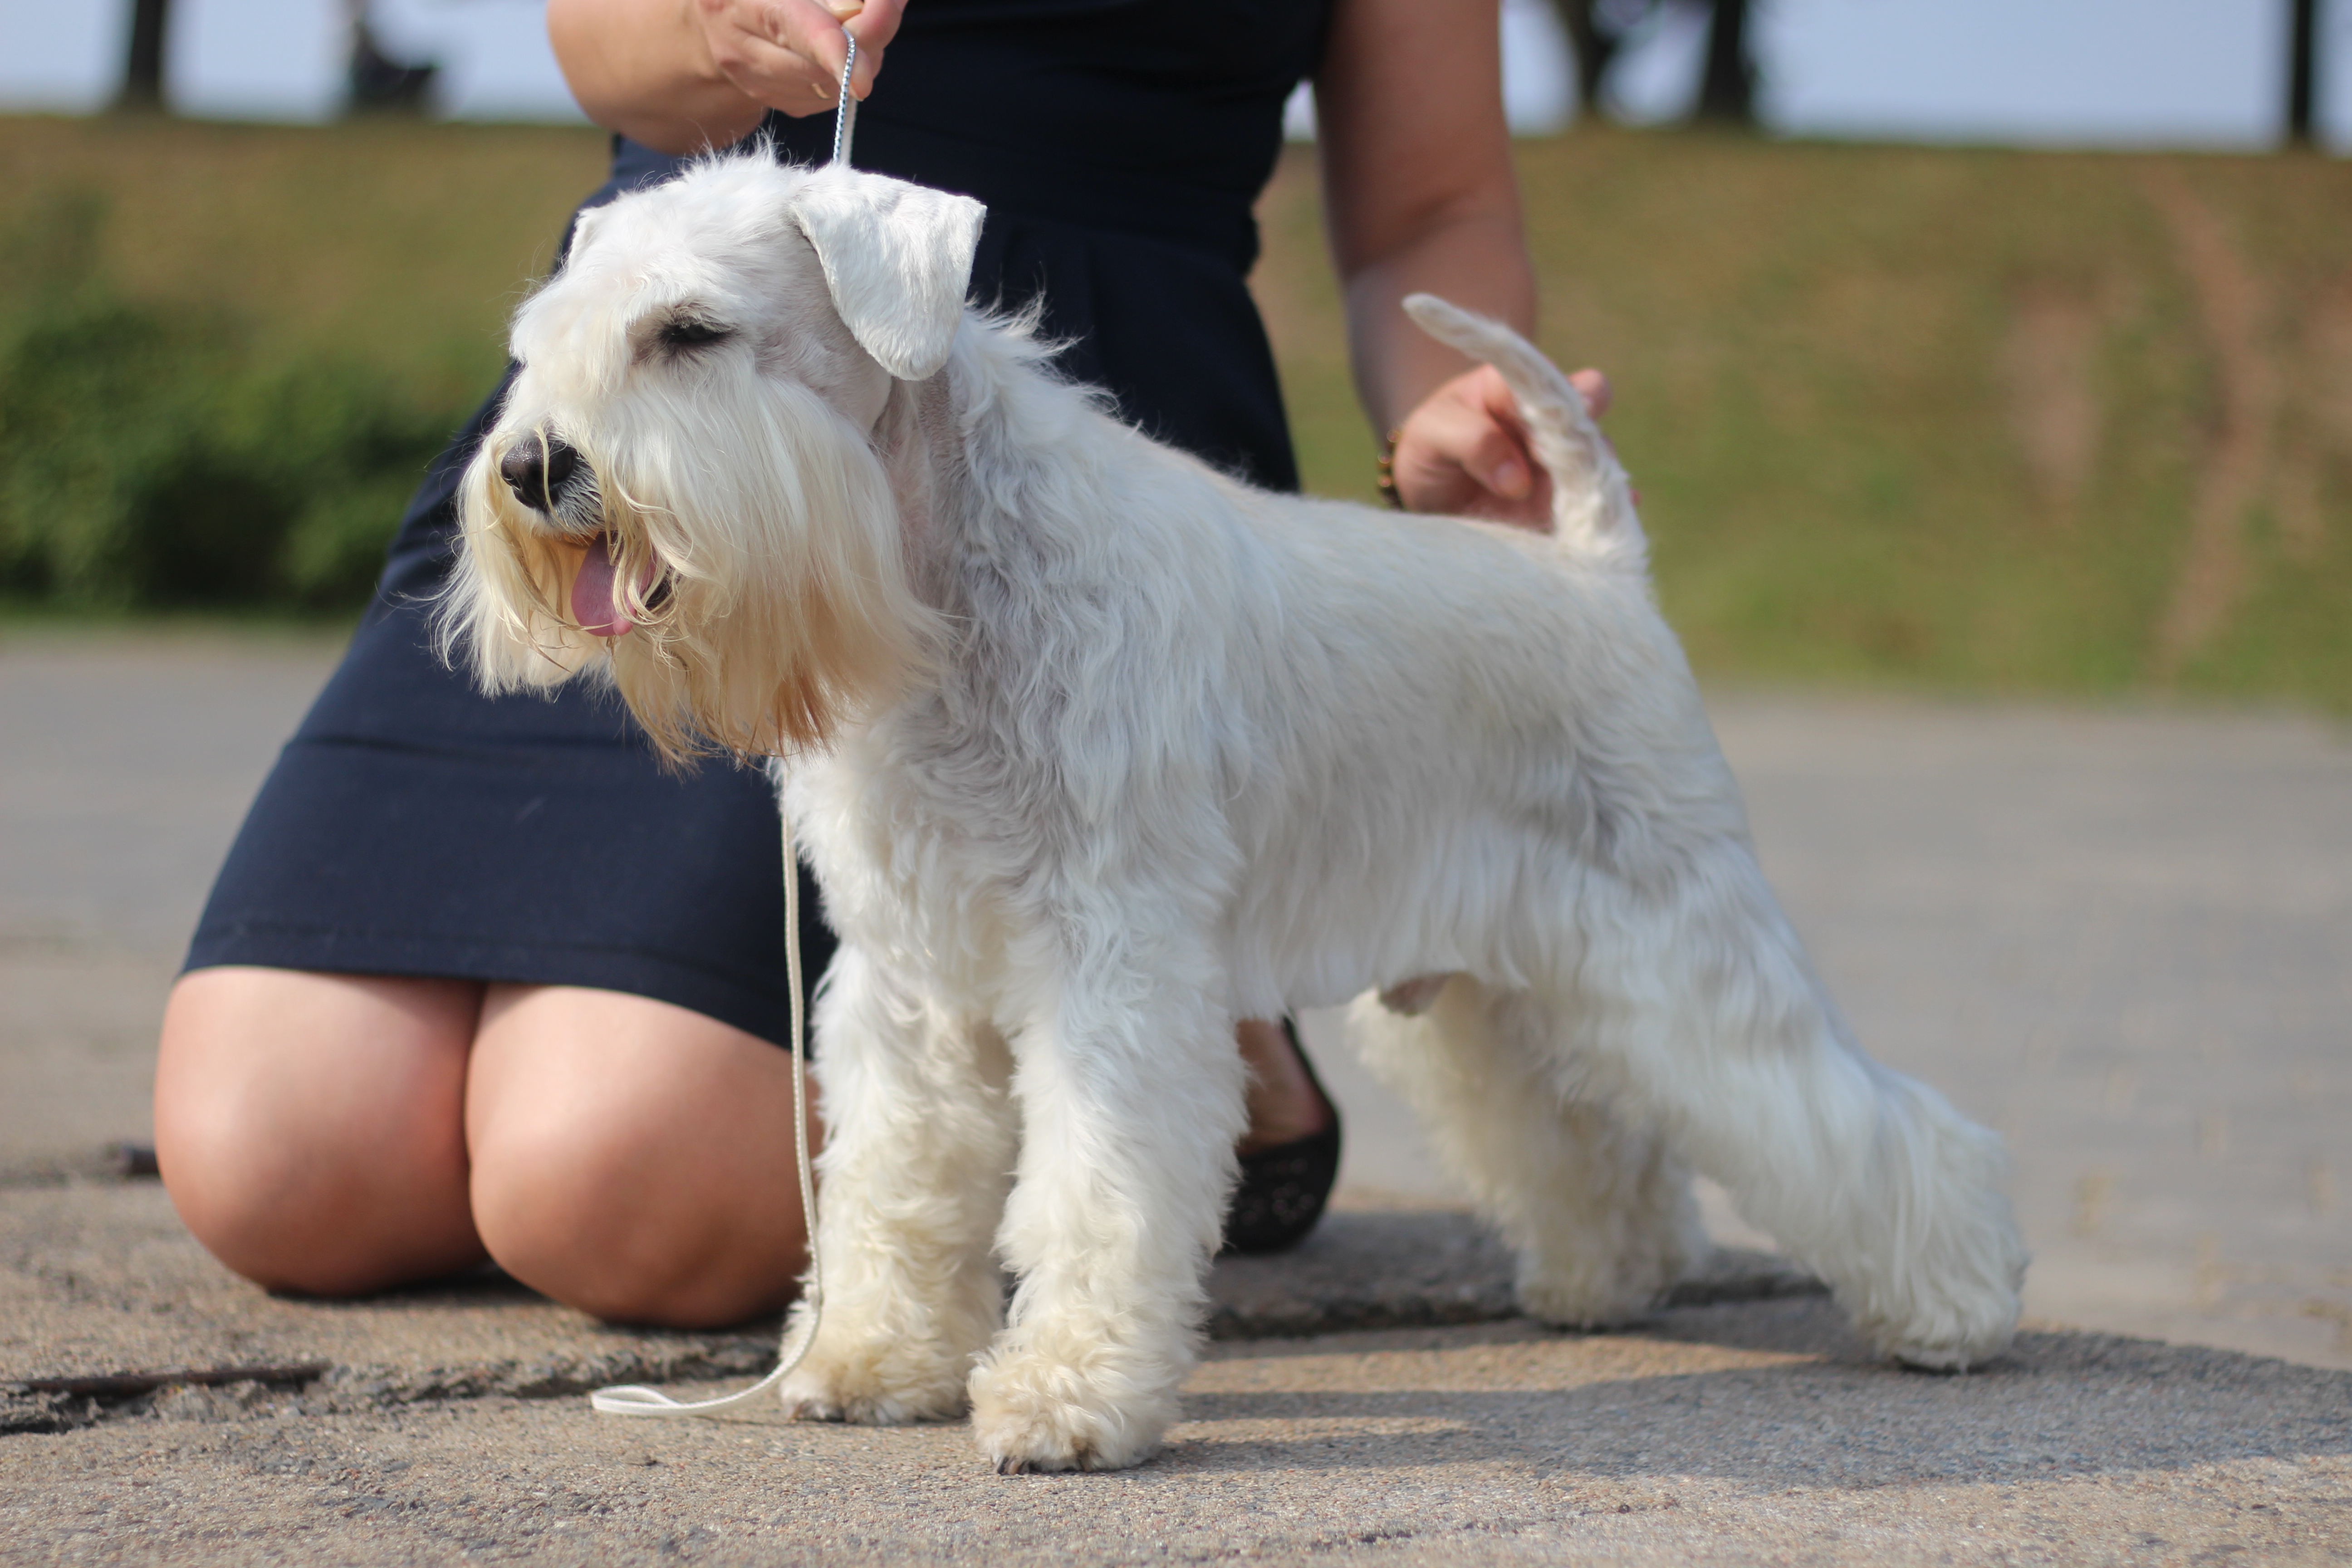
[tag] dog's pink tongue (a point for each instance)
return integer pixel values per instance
(594, 603)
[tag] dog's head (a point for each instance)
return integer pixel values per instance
(683, 485)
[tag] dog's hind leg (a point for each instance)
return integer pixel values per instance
(1692, 994)
(1599, 1209)
(1130, 1094)
(919, 1133)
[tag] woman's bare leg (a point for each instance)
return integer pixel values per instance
(337, 1134)
(1282, 1100)
(632, 1158)
(309, 1127)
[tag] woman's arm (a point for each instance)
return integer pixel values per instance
(684, 75)
(1419, 194)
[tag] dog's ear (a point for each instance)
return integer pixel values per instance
(896, 258)
(583, 226)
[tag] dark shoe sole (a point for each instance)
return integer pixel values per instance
(1283, 1190)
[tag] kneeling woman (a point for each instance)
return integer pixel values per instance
(478, 979)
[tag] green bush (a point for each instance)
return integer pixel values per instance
(158, 458)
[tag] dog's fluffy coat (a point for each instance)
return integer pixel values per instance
(1096, 750)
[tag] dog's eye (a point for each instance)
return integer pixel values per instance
(689, 333)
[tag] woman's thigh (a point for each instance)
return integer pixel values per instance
(311, 1127)
(632, 1158)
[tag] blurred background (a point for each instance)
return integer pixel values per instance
(2003, 347)
(1986, 369)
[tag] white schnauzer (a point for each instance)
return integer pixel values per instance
(1096, 750)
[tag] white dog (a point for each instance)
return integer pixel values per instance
(1096, 750)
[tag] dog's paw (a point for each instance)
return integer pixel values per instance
(1948, 1331)
(1031, 1413)
(1954, 1303)
(874, 1385)
(1618, 1264)
(1586, 1305)
(1954, 1340)
(1590, 1293)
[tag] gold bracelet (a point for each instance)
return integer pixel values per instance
(1387, 480)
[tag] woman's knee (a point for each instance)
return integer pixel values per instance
(309, 1127)
(577, 1217)
(634, 1159)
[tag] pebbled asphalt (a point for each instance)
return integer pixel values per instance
(2124, 938)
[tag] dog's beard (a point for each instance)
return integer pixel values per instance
(764, 603)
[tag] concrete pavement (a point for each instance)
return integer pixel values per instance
(2125, 939)
(1733, 1434)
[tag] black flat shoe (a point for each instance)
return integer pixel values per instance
(1283, 1189)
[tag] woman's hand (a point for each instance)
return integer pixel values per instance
(1464, 451)
(787, 54)
(684, 76)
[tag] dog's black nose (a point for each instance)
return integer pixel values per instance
(539, 471)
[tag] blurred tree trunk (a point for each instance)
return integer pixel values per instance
(1598, 31)
(2302, 71)
(143, 73)
(375, 82)
(1594, 48)
(1726, 83)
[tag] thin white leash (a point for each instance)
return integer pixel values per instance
(636, 1398)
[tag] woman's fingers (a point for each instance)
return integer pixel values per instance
(1464, 452)
(1596, 389)
(872, 25)
(766, 49)
(787, 54)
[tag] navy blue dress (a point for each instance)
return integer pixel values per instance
(412, 826)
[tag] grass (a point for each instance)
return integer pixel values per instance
(402, 246)
(1969, 421)
(228, 353)
(1950, 420)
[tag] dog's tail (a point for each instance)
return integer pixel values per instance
(1592, 499)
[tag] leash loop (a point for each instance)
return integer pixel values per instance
(635, 1398)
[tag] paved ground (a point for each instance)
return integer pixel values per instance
(1725, 1435)
(2124, 939)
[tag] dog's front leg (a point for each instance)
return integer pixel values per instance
(1130, 1094)
(918, 1140)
